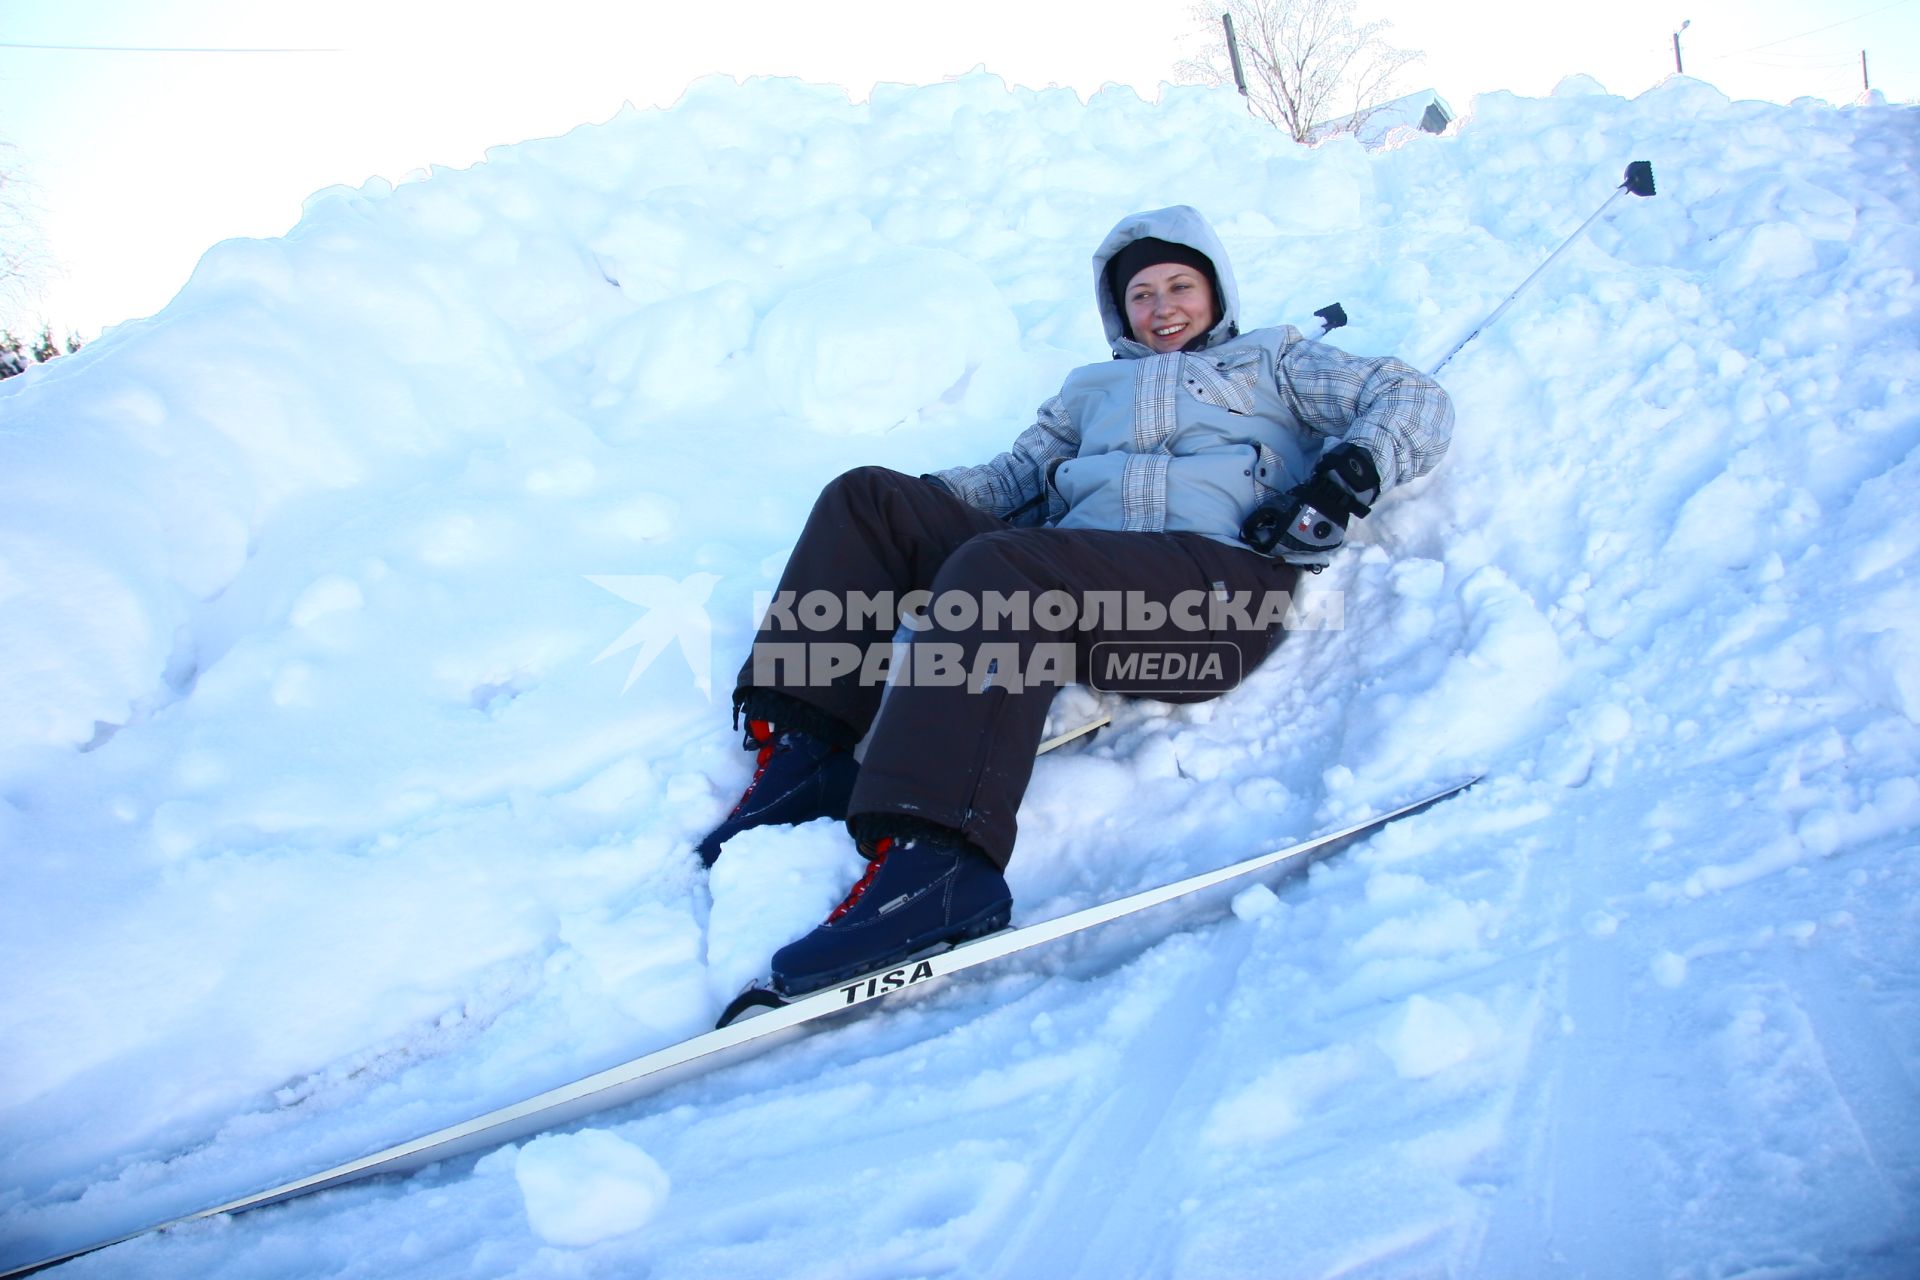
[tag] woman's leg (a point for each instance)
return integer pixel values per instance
(954, 746)
(873, 535)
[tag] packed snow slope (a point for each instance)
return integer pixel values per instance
(370, 612)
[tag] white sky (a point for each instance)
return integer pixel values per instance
(136, 162)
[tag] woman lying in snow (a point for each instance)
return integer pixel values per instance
(1143, 535)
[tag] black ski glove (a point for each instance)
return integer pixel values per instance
(1306, 524)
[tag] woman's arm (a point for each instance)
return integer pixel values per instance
(1014, 485)
(1398, 414)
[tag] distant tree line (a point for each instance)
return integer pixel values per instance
(14, 352)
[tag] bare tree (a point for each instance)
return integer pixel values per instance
(23, 257)
(1306, 62)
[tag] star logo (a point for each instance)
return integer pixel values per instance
(676, 613)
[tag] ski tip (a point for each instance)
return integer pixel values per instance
(1082, 731)
(756, 999)
(1454, 788)
(1414, 808)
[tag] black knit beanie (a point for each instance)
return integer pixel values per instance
(1148, 251)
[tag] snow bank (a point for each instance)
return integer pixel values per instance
(369, 612)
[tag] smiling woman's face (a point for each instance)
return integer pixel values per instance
(1168, 306)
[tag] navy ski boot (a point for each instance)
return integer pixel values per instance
(916, 894)
(797, 778)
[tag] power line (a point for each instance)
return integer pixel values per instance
(1803, 67)
(127, 48)
(1784, 61)
(1830, 26)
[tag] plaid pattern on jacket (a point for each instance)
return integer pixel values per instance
(1401, 416)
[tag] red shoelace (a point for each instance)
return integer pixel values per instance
(876, 856)
(760, 731)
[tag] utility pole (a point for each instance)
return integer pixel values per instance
(1233, 53)
(1677, 68)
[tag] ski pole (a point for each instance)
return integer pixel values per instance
(1639, 182)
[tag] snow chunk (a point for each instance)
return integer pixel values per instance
(860, 352)
(582, 1188)
(771, 886)
(1609, 723)
(1425, 1037)
(1255, 901)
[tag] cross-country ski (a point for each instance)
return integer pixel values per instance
(771, 1015)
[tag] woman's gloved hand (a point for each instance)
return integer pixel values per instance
(1306, 524)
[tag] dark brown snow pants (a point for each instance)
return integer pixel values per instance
(1007, 617)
